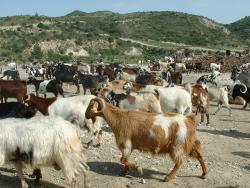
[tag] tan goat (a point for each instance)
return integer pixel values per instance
(152, 132)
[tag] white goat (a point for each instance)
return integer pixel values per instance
(173, 99)
(245, 66)
(144, 101)
(73, 110)
(12, 65)
(219, 95)
(214, 66)
(42, 141)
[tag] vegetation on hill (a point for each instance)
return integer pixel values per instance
(242, 29)
(110, 36)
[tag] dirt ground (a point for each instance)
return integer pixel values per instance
(226, 150)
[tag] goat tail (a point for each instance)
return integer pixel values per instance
(157, 94)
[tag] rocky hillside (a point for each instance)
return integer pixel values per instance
(108, 35)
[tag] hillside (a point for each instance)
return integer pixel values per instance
(241, 28)
(111, 36)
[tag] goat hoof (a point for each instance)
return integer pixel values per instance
(168, 178)
(203, 176)
(97, 145)
(139, 169)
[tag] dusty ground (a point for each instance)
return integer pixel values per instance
(226, 150)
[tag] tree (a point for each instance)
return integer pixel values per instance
(37, 52)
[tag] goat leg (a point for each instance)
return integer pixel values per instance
(208, 121)
(19, 169)
(128, 165)
(202, 118)
(195, 153)
(172, 174)
(218, 109)
(245, 105)
(36, 174)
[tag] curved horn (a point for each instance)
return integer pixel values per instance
(245, 87)
(100, 102)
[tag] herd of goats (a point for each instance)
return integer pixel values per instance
(148, 108)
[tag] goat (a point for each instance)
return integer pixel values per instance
(59, 145)
(219, 95)
(151, 132)
(200, 101)
(208, 78)
(13, 74)
(245, 66)
(16, 110)
(42, 104)
(214, 66)
(73, 110)
(13, 88)
(144, 101)
(172, 99)
(237, 92)
(44, 86)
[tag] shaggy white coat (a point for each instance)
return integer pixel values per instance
(73, 110)
(52, 140)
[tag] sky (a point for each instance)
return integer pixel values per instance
(223, 11)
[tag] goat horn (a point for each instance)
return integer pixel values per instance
(100, 102)
(245, 87)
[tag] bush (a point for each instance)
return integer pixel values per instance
(37, 52)
(42, 26)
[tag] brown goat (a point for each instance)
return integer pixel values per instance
(42, 104)
(13, 89)
(152, 132)
(201, 101)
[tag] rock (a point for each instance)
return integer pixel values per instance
(153, 168)
(130, 184)
(142, 181)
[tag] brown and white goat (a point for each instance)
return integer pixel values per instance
(201, 101)
(152, 132)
